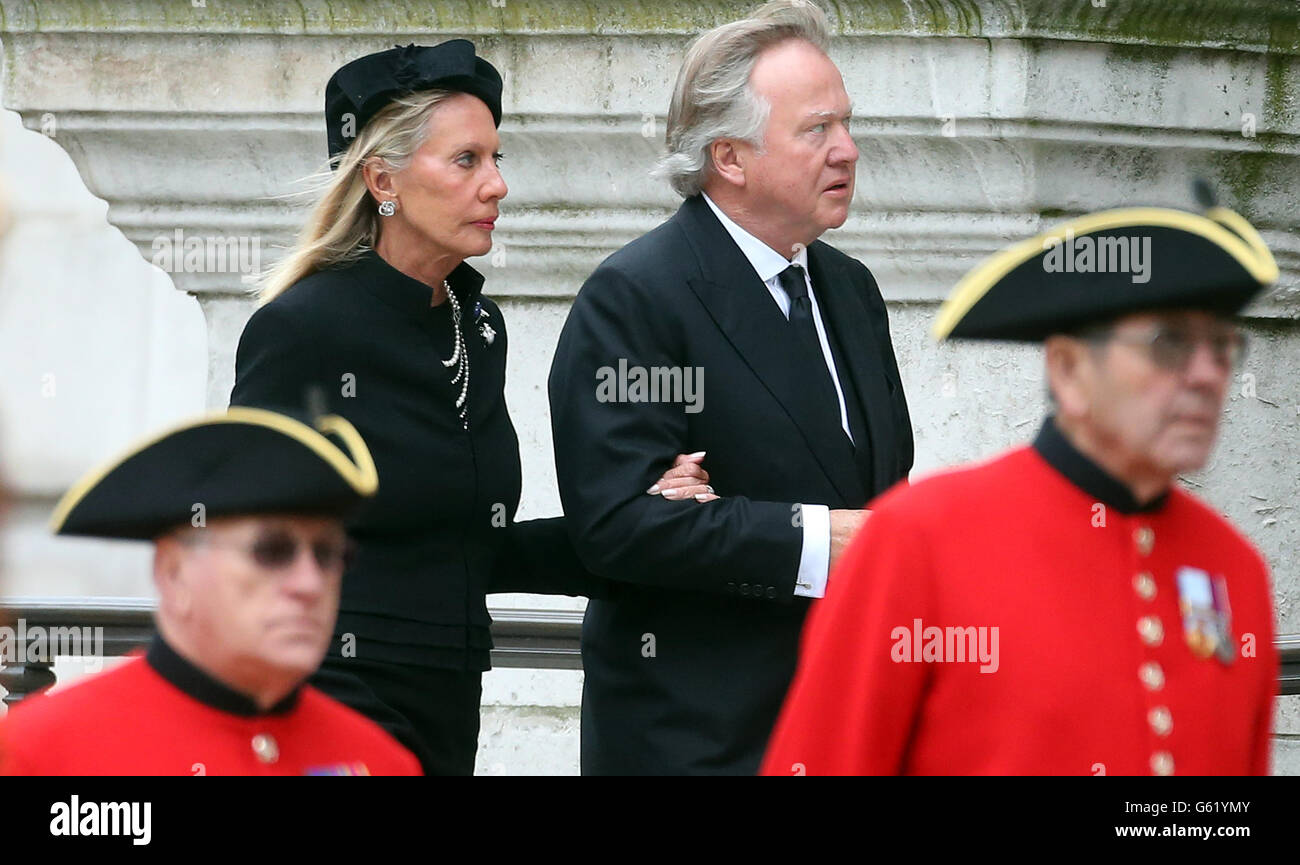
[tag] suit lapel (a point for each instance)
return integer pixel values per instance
(744, 311)
(846, 317)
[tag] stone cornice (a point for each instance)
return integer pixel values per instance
(973, 126)
(1244, 25)
(202, 118)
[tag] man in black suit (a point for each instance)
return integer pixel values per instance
(788, 383)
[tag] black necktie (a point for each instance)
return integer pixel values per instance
(801, 319)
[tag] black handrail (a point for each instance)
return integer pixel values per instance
(534, 639)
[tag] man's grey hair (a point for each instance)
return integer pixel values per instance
(713, 98)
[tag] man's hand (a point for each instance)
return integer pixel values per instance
(687, 479)
(844, 525)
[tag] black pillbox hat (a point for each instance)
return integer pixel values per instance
(361, 88)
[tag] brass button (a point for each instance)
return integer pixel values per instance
(1152, 676)
(265, 748)
(1145, 538)
(1161, 721)
(1162, 763)
(1151, 631)
(1145, 585)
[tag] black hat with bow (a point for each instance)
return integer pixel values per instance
(360, 89)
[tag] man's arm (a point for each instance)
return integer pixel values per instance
(879, 315)
(826, 536)
(537, 556)
(1262, 747)
(608, 451)
(852, 705)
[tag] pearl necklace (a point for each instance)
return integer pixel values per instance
(459, 357)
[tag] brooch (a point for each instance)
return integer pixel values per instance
(484, 328)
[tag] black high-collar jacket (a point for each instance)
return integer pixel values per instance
(440, 533)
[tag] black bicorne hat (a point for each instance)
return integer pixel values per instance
(359, 89)
(242, 461)
(1101, 266)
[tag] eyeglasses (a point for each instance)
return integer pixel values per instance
(277, 550)
(1171, 347)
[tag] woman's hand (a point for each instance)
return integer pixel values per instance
(686, 479)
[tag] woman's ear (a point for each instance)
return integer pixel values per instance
(378, 175)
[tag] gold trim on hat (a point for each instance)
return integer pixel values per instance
(367, 480)
(358, 470)
(1242, 242)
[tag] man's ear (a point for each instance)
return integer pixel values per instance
(1069, 375)
(169, 578)
(728, 158)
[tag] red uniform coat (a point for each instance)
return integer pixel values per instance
(133, 721)
(1092, 673)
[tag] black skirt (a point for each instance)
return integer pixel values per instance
(433, 712)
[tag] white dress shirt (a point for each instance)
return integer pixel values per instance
(814, 558)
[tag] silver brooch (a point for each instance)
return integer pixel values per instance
(484, 328)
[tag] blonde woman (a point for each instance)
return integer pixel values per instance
(377, 310)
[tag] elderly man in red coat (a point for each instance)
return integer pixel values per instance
(1063, 608)
(245, 508)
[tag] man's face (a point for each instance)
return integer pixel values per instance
(1154, 390)
(801, 182)
(250, 596)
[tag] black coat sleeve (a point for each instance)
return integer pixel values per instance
(879, 314)
(607, 453)
(276, 364)
(538, 557)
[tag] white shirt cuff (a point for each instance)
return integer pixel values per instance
(815, 557)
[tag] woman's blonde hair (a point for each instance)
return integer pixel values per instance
(344, 223)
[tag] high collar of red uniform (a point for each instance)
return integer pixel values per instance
(197, 684)
(1055, 448)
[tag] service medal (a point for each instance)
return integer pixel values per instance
(1196, 605)
(1227, 646)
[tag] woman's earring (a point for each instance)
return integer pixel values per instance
(387, 207)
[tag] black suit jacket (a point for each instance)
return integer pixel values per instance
(688, 660)
(440, 533)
